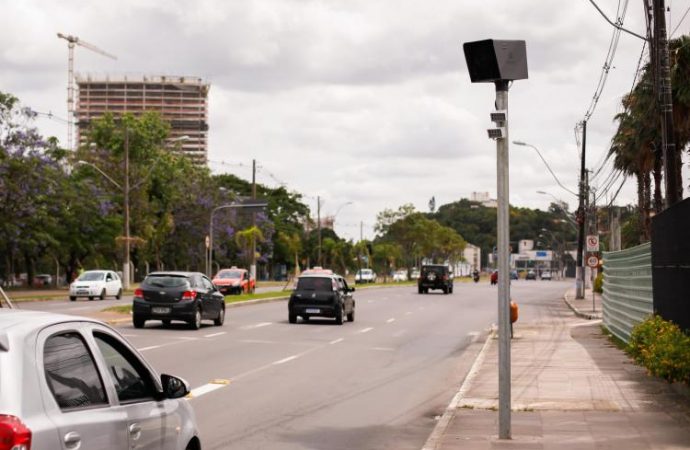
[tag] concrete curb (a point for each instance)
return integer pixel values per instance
(439, 430)
(578, 313)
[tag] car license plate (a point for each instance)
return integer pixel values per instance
(158, 310)
(82, 292)
(312, 311)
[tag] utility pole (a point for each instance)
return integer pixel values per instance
(580, 269)
(503, 231)
(252, 268)
(125, 266)
(673, 187)
(318, 227)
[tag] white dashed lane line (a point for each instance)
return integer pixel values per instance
(143, 349)
(214, 334)
(256, 325)
(391, 320)
(365, 330)
(336, 341)
(206, 388)
(284, 360)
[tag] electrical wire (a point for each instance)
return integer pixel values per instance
(608, 63)
(681, 21)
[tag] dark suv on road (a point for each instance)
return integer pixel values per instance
(322, 295)
(435, 276)
(186, 296)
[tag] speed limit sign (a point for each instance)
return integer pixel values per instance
(592, 261)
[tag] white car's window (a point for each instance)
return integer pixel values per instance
(131, 380)
(71, 372)
(91, 276)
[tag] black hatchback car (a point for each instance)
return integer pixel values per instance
(435, 276)
(185, 296)
(323, 295)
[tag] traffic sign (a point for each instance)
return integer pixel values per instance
(592, 261)
(592, 243)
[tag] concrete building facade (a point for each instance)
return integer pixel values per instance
(181, 101)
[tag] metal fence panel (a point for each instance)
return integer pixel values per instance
(628, 297)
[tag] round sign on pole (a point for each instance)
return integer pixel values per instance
(592, 261)
(208, 242)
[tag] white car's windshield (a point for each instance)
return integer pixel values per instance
(91, 276)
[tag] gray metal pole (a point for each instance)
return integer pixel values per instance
(504, 431)
(580, 268)
(125, 265)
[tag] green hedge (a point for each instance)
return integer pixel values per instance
(663, 348)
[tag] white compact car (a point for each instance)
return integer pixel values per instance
(365, 276)
(400, 275)
(96, 283)
(71, 382)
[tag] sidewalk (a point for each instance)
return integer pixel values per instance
(571, 389)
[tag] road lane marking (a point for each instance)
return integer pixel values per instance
(365, 330)
(284, 360)
(257, 341)
(143, 349)
(408, 313)
(256, 325)
(215, 334)
(383, 349)
(336, 341)
(391, 320)
(474, 335)
(206, 388)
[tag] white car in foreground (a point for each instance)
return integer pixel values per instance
(71, 382)
(96, 283)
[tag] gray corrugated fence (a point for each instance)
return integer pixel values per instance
(627, 298)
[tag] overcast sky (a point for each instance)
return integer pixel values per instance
(366, 101)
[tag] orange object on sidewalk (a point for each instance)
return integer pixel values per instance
(513, 312)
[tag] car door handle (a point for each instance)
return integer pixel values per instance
(72, 440)
(135, 431)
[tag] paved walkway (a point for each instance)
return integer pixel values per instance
(571, 389)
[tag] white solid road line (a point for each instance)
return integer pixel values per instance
(391, 320)
(365, 330)
(336, 341)
(284, 360)
(215, 334)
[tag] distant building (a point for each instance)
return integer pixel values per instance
(182, 101)
(473, 256)
(484, 198)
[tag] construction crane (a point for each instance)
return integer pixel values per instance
(71, 41)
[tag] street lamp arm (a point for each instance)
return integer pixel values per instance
(86, 163)
(525, 144)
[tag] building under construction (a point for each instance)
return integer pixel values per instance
(181, 101)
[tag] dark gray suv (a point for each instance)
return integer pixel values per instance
(323, 295)
(435, 276)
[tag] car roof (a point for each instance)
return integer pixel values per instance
(174, 273)
(23, 322)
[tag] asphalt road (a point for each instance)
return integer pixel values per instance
(377, 383)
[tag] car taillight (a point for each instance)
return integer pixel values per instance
(139, 293)
(445, 277)
(188, 296)
(14, 435)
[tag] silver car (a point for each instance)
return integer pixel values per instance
(69, 382)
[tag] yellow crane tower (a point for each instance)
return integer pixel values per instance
(71, 41)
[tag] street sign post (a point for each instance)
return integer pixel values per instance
(592, 261)
(593, 243)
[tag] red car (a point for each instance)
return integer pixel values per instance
(234, 281)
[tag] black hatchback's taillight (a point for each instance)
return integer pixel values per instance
(14, 435)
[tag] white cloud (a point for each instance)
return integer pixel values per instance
(355, 100)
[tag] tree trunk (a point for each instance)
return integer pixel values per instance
(647, 224)
(640, 205)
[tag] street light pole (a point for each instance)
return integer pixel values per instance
(125, 265)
